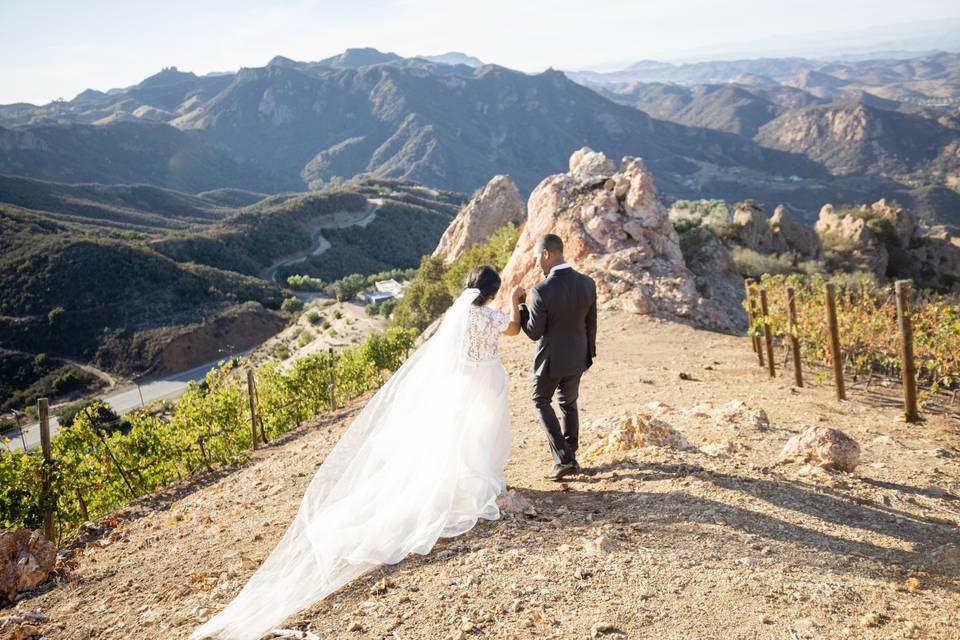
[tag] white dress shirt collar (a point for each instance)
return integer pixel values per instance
(562, 265)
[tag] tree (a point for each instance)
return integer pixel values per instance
(347, 288)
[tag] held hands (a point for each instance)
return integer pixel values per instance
(518, 295)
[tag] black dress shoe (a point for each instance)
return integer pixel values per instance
(561, 471)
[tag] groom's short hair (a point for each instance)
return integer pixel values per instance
(550, 243)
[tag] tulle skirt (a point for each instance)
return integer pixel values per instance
(424, 460)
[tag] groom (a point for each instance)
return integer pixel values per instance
(561, 314)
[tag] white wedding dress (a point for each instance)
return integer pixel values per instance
(423, 460)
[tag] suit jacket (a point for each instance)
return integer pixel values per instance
(561, 314)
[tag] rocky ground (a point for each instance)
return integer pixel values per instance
(716, 541)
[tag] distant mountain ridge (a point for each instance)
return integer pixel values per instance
(706, 129)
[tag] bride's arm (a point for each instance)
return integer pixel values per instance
(514, 327)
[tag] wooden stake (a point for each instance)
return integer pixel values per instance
(43, 411)
(908, 368)
(749, 282)
(794, 340)
(767, 334)
(253, 408)
(831, 291)
(333, 384)
(83, 505)
(753, 314)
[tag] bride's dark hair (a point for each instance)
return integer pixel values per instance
(487, 280)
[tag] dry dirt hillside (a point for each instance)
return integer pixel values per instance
(658, 543)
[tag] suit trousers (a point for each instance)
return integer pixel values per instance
(563, 438)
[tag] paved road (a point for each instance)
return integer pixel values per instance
(320, 244)
(125, 399)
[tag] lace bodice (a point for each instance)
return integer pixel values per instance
(483, 333)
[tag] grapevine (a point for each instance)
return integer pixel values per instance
(95, 470)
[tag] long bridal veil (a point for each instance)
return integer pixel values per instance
(423, 459)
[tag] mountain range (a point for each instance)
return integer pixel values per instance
(720, 129)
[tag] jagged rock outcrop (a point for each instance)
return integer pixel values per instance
(778, 234)
(886, 239)
(934, 260)
(26, 559)
(615, 230)
(754, 228)
(790, 235)
(497, 204)
(822, 446)
(850, 234)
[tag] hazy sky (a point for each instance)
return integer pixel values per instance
(51, 49)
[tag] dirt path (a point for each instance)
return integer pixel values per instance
(658, 543)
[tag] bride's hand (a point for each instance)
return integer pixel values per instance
(518, 295)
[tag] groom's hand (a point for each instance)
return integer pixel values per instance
(518, 295)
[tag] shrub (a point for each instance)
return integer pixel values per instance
(305, 283)
(753, 265)
(313, 316)
(292, 304)
(305, 337)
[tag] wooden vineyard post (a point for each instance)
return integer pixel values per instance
(794, 340)
(831, 291)
(83, 505)
(333, 384)
(253, 408)
(767, 336)
(752, 305)
(749, 286)
(908, 367)
(43, 412)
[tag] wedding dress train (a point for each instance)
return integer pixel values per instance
(423, 460)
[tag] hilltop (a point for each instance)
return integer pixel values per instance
(710, 542)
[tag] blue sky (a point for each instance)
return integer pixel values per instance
(51, 49)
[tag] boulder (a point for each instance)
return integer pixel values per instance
(494, 206)
(512, 502)
(822, 446)
(634, 431)
(754, 228)
(589, 167)
(26, 559)
(791, 235)
(616, 231)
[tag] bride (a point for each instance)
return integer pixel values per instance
(423, 460)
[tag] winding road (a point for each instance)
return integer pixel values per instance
(124, 399)
(128, 397)
(319, 244)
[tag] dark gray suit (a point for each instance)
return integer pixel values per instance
(561, 314)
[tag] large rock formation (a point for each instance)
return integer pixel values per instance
(494, 206)
(887, 240)
(790, 235)
(754, 228)
(845, 233)
(616, 230)
(26, 559)
(778, 234)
